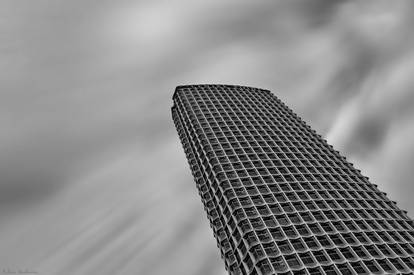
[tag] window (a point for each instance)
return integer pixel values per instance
(397, 250)
(292, 261)
(276, 233)
(372, 266)
(252, 190)
(318, 216)
(352, 214)
(311, 242)
(302, 196)
(257, 200)
(290, 231)
(329, 214)
(275, 208)
(339, 226)
(280, 197)
(397, 263)
(307, 258)
(284, 247)
(251, 212)
(269, 198)
(341, 214)
(291, 196)
(303, 230)
(361, 225)
(334, 254)
(264, 266)
(373, 251)
(327, 227)
(384, 236)
(251, 238)
(361, 237)
(315, 228)
(385, 250)
(263, 235)
(299, 206)
(330, 270)
(287, 207)
(320, 256)
(294, 218)
(298, 244)
(358, 267)
(349, 239)
(409, 262)
(408, 248)
(385, 265)
(372, 224)
(258, 252)
(362, 213)
(299, 272)
(360, 252)
(344, 269)
(269, 221)
(245, 201)
(306, 216)
(282, 219)
(278, 263)
(310, 205)
(257, 223)
(347, 252)
(351, 225)
(315, 271)
(337, 240)
(395, 236)
(270, 249)
(324, 241)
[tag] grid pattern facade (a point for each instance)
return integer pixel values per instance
(280, 200)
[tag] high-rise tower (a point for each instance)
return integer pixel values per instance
(280, 200)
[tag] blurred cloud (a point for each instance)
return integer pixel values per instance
(93, 178)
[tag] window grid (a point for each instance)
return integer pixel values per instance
(277, 195)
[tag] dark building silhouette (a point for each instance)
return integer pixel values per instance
(280, 200)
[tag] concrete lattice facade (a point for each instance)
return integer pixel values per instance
(280, 200)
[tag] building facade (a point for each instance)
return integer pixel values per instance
(280, 200)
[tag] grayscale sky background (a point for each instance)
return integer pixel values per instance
(93, 179)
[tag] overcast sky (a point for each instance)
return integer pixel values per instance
(93, 179)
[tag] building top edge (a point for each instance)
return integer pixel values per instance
(180, 87)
